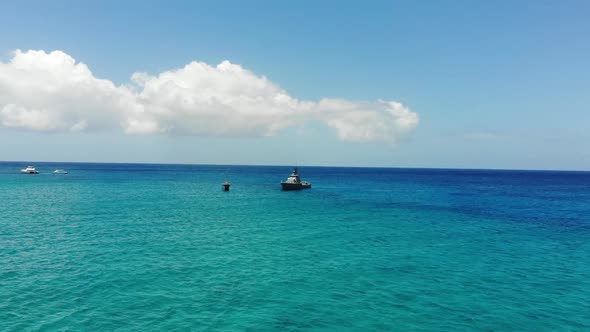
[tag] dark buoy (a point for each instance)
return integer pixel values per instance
(225, 186)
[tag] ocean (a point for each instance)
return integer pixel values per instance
(139, 247)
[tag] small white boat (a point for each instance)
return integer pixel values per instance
(29, 170)
(60, 171)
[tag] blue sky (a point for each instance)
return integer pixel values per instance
(495, 84)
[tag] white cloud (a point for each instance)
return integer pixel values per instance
(52, 92)
(223, 100)
(366, 122)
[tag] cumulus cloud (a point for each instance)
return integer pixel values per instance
(203, 100)
(52, 92)
(367, 121)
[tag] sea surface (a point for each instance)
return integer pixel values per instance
(138, 247)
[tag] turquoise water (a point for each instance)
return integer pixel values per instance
(161, 247)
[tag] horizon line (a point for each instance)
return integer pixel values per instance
(282, 165)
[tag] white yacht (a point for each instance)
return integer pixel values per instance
(60, 171)
(29, 170)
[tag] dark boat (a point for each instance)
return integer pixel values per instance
(293, 182)
(225, 185)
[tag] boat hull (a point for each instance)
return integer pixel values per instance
(295, 186)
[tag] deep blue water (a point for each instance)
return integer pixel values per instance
(161, 247)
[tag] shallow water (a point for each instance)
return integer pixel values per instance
(160, 247)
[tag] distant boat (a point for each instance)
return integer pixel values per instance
(225, 185)
(293, 182)
(60, 171)
(29, 170)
